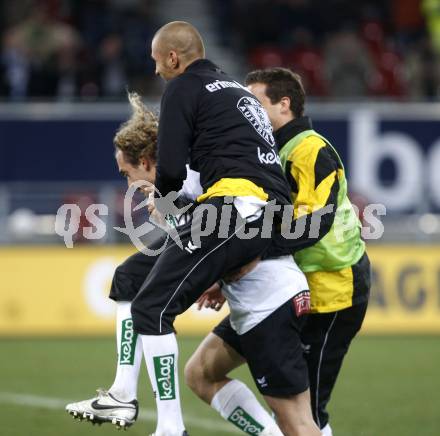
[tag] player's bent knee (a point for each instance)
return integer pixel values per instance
(199, 378)
(192, 375)
(197, 375)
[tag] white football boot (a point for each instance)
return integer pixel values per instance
(105, 408)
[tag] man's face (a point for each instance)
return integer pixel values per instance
(273, 110)
(164, 62)
(134, 173)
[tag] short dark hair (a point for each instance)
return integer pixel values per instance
(281, 82)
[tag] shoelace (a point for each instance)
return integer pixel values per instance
(102, 393)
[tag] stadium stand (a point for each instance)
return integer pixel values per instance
(91, 49)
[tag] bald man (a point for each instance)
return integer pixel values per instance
(212, 122)
(174, 47)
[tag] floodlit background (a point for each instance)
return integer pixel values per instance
(371, 69)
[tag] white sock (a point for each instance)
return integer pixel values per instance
(161, 357)
(129, 349)
(237, 404)
(327, 430)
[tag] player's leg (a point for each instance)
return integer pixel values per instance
(127, 281)
(178, 278)
(275, 357)
(118, 404)
(326, 338)
(293, 413)
(207, 369)
(206, 373)
(274, 354)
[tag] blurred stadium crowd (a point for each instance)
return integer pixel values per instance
(342, 48)
(84, 49)
(89, 49)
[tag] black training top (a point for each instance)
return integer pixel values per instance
(213, 123)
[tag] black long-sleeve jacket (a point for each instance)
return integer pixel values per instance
(215, 124)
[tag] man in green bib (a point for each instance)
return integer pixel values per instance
(330, 251)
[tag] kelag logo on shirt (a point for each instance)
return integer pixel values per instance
(257, 116)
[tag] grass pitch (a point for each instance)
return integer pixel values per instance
(389, 386)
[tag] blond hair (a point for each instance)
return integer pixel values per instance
(137, 137)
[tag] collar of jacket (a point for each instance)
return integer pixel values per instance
(201, 64)
(284, 134)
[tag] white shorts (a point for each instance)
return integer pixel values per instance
(262, 291)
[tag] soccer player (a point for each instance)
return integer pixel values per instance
(332, 254)
(135, 144)
(336, 264)
(212, 122)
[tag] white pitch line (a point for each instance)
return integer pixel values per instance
(144, 414)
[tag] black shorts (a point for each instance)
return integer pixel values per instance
(273, 352)
(130, 275)
(181, 275)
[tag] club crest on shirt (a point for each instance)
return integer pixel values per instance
(253, 111)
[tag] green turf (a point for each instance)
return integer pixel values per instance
(389, 386)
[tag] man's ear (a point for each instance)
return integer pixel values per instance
(174, 59)
(146, 164)
(285, 104)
